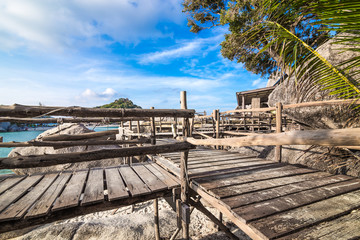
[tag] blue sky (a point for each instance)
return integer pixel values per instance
(91, 52)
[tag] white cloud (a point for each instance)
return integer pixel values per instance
(64, 24)
(199, 46)
(89, 94)
(259, 83)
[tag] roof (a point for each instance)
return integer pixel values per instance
(262, 93)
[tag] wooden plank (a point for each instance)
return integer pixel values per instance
(71, 195)
(17, 191)
(228, 191)
(226, 162)
(43, 205)
(166, 164)
(220, 159)
(154, 183)
(346, 227)
(277, 205)
(115, 185)
(225, 166)
(94, 190)
(9, 182)
(162, 175)
(19, 208)
(234, 179)
(234, 170)
(281, 224)
(133, 182)
(313, 180)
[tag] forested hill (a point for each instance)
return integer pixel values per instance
(120, 103)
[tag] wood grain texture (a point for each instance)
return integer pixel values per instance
(17, 191)
(163, 175)
(280, 224)
(8, 183)
(115, 185)
(153, 182)
(43, 205)
(18, 210)
(94, 189)
(345, 227)
(133, 182)
(281, 204)
(70, 197)
(313, 180)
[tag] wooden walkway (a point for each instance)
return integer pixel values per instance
(270, 200)
(25, 200)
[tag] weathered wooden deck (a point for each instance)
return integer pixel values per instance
(269, 200)
(42, 198)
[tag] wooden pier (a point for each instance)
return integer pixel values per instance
(269, 200)
(44, 198)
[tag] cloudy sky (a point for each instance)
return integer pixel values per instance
(91, 52)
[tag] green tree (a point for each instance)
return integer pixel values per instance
(120, 103)
(241, 16)
(289, 31)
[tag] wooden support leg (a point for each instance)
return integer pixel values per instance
(156, 219)
(207, 213)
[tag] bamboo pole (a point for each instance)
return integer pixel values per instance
(278, 130)
(326, 137)
(54, 159)
(17, 110)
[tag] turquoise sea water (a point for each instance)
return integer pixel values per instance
(24, 136)
(17, 137)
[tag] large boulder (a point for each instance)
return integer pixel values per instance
(67, 128)
(291, 91)
(334, 160)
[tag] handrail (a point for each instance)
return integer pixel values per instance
(324, 137)
(54, 159)
(297, 105)
(17, 110)
(71, 120)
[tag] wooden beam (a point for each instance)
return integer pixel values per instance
(297, 105)
(17, 110)
(207, 213)
(62, 144)
(328, 137)
(70, 120)
(54, 159)
(70, 137)
(278, 130)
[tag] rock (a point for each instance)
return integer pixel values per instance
(13, 128)
(122, 224)
(67, 128)
(316, 117)
(333, 160)
(4, 126)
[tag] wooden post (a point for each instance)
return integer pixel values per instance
(243, 102)
(153, 130)
(185, 123)
(138, 127)
(156, 218)
(216, 116)
(1, 139)
(184, 194)
(278, 130)
(183, 175)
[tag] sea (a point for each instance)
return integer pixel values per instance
(24, 136)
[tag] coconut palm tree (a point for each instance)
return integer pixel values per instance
(297, 58)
